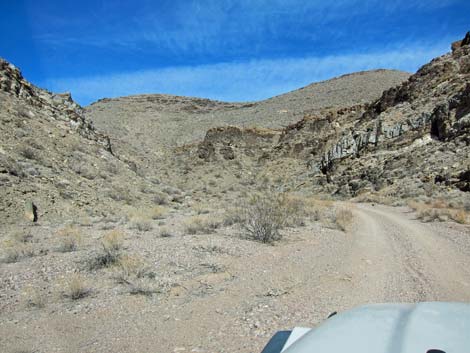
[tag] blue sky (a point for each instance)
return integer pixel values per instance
(234, 50)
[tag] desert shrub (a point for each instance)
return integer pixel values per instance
(142, 224)
(76, 287)
(22, 237)
(112, 241)
(160, 199)
(232, 216)
(69, 239)
(201, 225)
(165, 233)
(438, 210)
(343, 218)
(110, 253)
(35, 297)
(294, 208)
(460, 216)
(144, 287)
(29, 153)
(158, 212)
(130, 267)
(263, 216)
(14, 250)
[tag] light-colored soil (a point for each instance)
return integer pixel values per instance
(227, 294)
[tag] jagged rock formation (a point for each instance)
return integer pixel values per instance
(413, 139)
(156, 122)
(50, 154)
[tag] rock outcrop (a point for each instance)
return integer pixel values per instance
(52, 157)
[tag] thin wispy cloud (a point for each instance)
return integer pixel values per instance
(240, 81)
(226, 49)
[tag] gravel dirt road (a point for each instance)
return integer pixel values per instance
(386, 256)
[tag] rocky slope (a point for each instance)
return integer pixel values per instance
(151, 122)
(412, 141)
(52, 156)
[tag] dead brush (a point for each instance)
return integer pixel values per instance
(69, 239)
(343, 218)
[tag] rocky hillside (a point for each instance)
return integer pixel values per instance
(51, 156)
(151, 122)
(413, 141)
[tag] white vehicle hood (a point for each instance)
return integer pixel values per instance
(391, 328)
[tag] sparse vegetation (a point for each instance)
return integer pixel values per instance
(263, 216)
(13, 250)
(343, 218)
(439, 210)
(69, 239)
(111, 250)
(165, 233)
(76, 287)
(201, 224)
(35, 297)
(130, 268)
(142, 224)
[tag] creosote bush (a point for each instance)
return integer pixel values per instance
(264, 215)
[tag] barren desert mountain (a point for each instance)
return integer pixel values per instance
(187, 225)
(153, 121)
(411, 141)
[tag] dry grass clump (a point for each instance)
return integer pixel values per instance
(439, 210)
(21, 237)
(130, 267)
(69, 238)
(201, 225)
(158, 212)
(76, 287)
(160, 199)
(134, 273)
(319, 209)
(112, 241)
(142, 224)
(201, 209)
(295, 209)
(148, 288)
(111, 250)
(343, 218)
(13, 250)
(377, 198)
(35, 297)
(165, 233)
